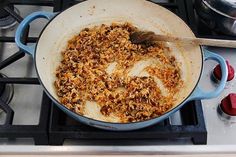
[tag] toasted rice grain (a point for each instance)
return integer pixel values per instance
(82, 74)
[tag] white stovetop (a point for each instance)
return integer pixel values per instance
(219, 132)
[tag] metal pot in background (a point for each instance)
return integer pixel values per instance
(218, 15)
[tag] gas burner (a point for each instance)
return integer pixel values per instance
(6, 91)
(6, 20)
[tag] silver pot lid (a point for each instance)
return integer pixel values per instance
(223, 7)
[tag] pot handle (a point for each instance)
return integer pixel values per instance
(23, 25)
(201, 94)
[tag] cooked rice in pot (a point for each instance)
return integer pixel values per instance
(82, 75)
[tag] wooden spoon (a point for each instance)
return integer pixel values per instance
(148, 37)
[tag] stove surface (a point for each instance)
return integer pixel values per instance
(27, 98)
(219, 132)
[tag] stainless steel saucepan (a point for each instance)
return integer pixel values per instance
(218, 15)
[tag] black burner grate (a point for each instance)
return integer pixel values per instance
(63, 127)
(8, 130)
(38, 132)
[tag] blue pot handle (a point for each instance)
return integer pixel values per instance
(23, 25)
(201, 94)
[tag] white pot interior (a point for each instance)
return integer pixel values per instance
(145, 15)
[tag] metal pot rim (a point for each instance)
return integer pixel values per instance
(225, 8)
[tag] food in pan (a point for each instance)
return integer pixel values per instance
(101, 71)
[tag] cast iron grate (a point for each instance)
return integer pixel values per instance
(8, 130)
(38, 132)
(193, 126)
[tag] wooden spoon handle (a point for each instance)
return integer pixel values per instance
(200, 41)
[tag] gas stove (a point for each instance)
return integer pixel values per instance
(28, 117)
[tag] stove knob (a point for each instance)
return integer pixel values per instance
(228, 104)
(227, 108)
(217, 72)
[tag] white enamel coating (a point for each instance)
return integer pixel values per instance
(143, 14)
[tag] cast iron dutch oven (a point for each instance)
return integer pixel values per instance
(146, 15)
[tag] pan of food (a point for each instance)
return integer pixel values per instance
(93, 72)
